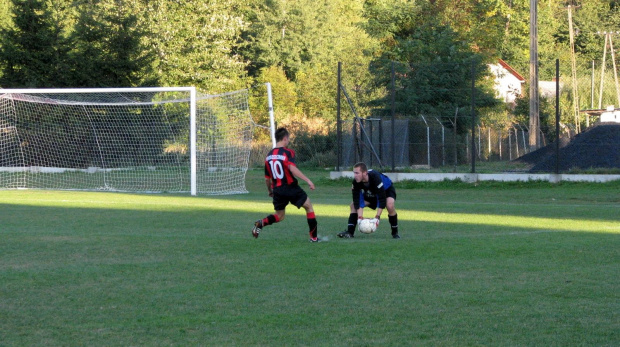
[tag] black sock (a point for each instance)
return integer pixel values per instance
(394, 223)
(270, 219)
(352, 223)
(312, 224)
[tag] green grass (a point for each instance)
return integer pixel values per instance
(493, 264)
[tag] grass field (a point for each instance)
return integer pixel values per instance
(521, 264)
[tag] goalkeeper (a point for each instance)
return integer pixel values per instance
(280, 178)
(374, 190)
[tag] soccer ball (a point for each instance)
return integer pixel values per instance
(367, 226)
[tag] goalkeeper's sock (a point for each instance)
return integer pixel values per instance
(394, 223)
(270, 219)
(352, 223)
(312, 224)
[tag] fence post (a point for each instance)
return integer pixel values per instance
(557, 115)
(499, 141)
(381, 140)
(479, 143)
(489, 134)
(393, 101)
(428, 142)
(473, 116)
(509, 144)
(525, 148)
(516, 141)
(338, 121)
(443, 143)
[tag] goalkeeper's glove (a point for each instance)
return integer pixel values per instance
(375, 221)
(359, 219)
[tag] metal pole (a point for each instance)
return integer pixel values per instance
(525, 149)
(613, 60)
(370, 138)
(509, 144)
(473, 116)
(338, 122)
(591, 87)
(517, 140)
(381, 138)
(443, 146)
(443, 143)
(479, 143)
(489, 142)
(272, 123)
(557, 115)
(600, 95)
(574, 70)
(428, 145)
(534, 97)
(192, 141)
(499, 141)
(393, 101)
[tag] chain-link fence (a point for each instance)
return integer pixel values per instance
(430, 144)
(408, 125)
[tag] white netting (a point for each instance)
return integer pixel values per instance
(223, 143)
(123, 140)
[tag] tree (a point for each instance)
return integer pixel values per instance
(434, 65)
(108, 47)
(307, 39)
(34, 49)
(480, 23)
(194, 42)
(5, 14)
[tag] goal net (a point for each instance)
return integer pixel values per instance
(125, 139)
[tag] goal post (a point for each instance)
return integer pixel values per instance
(156, 139)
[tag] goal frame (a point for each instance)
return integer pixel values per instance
(192, 118)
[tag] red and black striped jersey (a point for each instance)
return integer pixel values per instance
(277, 167)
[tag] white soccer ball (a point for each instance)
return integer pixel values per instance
(367, 226)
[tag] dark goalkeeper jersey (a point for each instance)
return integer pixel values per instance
(375, 187)
(277, 167)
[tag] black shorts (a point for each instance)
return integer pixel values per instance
(372, 201)
(284, 195)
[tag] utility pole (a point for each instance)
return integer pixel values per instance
(574, 69)
(534, 135)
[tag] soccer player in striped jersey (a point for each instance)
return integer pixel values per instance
(281, 175)
(374, 190)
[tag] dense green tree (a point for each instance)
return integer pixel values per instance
(33, 51)
(480, 23)
(194, 42)
(224, 45)
(434, 66)
(108, 47)
(307, 39)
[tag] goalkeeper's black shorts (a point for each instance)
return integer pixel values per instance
(372, 200)
(284, 195)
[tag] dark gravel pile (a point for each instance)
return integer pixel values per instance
(598, 147)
